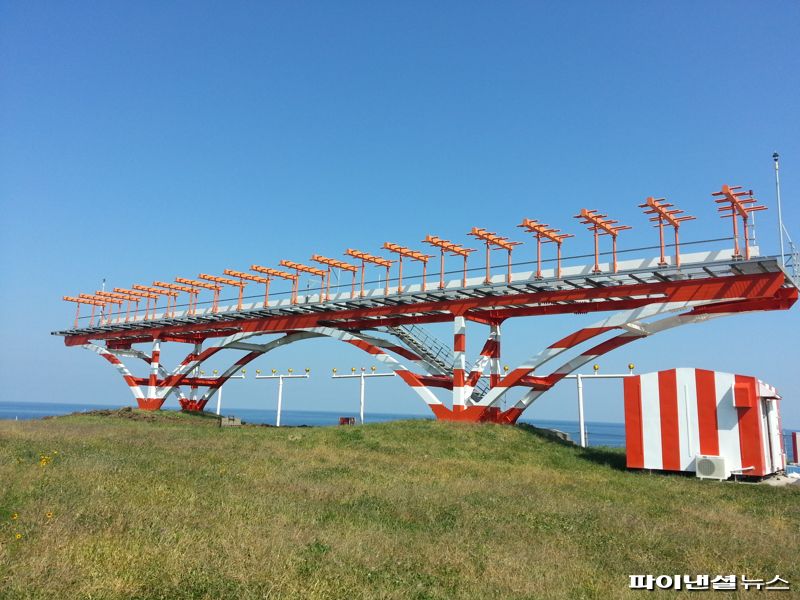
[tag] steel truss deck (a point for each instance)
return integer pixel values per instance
(644, 296)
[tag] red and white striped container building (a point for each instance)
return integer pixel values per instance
(674, 418)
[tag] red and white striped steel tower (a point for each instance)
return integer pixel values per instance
(193, 292)
(338, 264)
(402, 251)
(365, 257)
(665, 216)
(739, 204)
(452, 248)
(492, 239)
(254, 278)
(272, 273)
(601, 225)
(225, 281)
(540, 230)
(301, 268)
(78, 301)
(204, 285)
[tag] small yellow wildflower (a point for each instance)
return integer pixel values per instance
(18, 536)
(14, 516)
(49, 515)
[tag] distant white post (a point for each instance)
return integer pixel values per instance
(362, 376)
(219, 390)
(579, 378)
(776, 157)
(280, 377)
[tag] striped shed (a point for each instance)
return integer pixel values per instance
(677, 416)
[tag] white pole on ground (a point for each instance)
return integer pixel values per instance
(362, 386)
(280, 401)
(776, 157)
(579, 377)
(581, 423)
(361, 402)
(219, 390)
(280, 377)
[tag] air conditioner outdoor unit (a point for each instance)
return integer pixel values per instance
(711, 467)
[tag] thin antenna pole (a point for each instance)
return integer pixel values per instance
(776, 157)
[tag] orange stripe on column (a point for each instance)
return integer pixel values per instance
(670, 430)
(634, 444)
(752, 448)
(707, 411)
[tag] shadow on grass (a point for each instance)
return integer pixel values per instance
(608, 457)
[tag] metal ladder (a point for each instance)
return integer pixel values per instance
(435, 352)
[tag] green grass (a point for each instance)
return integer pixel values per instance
(173, 507)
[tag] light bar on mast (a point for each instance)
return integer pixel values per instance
(338, 264)
(499, 242)
(402, 251)
(739, 204)
(665, 213)
(545, 233)
(451, 248)
(365, 257)
(601, 225)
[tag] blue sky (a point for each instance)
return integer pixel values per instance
(141, 141)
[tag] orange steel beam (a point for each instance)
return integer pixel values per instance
(293, 277)
(365, 257)
(138, 294)
(545, 233)
(225, 281)
(739, 204)
(665, 214)
(452, 248)
(402, 251)
(133, 296)
(250, 277)
(170, 295)
(492, 239)
(338, 264)
(106, 300)
(206, 286)
(192, 291)
(601, 225)
(301, 268)
(78, 301)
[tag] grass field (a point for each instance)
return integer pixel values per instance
(170, 506)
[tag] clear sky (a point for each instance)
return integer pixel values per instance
(145, 140)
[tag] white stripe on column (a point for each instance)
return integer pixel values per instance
(651, 422)
(727, 421)
(688, 423)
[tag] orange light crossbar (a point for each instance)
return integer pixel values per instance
(365, 257)
(301, 268)
(136, 296)
(206, 286)
(192, 291)
(544, 234)
(492, 239)
(402, 251)
(665, 214)
(106, 300)
(739, 204)
(270, 272)
(601, 225)
(338, 264)
(250, 277)
(170, 294)
(78, 301)
(451, 248)
(225, 281)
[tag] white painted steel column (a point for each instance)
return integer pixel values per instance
(361, 404)
(219, 400)
(280, 400)
(581, 422)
